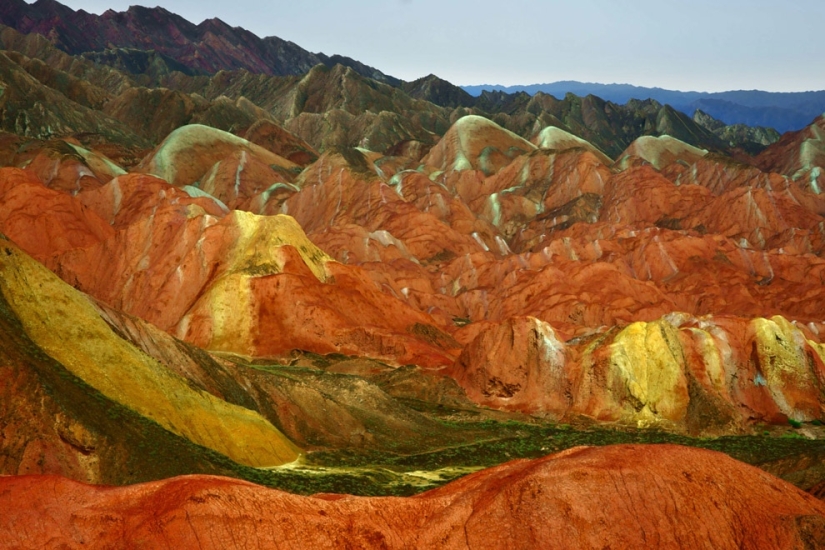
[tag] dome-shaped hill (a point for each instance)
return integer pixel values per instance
(661, 151)
(553, 137)
(476, 143)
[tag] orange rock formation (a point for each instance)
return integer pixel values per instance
(621, 496)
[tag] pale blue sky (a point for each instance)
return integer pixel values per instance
(775, 45)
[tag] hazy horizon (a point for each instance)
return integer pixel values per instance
(687, 46)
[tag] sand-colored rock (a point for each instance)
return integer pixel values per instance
(661, 151)
(586, 497)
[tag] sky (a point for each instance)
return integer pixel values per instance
(703, 45)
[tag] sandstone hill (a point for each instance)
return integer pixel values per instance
(327, 284)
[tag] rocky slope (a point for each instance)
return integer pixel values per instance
(690, 498)
(799, 155)
(489, 231)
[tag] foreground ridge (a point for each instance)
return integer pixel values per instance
(628, 496)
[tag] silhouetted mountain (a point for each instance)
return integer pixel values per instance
(751, 139)
(782, 111)
(781, 118)
(439, 91)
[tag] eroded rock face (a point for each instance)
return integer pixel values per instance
(661, 151)
(560, 140)
(43, 221)
(569, 500)
(476, 143)
(711, 374)
(467, 236)
(188, 153)
(68, 167)
(519, 365)
(275, 139)
(795, 152)
(799, 155)
(67, 326)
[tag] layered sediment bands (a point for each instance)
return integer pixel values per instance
(800, 155)
(189, 152)
(553, 235)
(128, 199)
(65, 166)
(714, 374)
(244, 182)
(242, 283)
(718, 502)
(524, 196)
(476, 143)
(66, 325)
(660, 151)
(42, 221)
(35, 110)
(519, 364)
(315, 405)
(52, 422)
(560, 140)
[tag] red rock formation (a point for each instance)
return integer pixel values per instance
(240, 178)
(800, 155)
(174, 263)
(586, 497)
(436, 247)
(707, 374)
(68, 167)
(640, 196)
(518, 364)
(43, 221)
(131, 198)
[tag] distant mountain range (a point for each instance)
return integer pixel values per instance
(782, 111)
(159, 47)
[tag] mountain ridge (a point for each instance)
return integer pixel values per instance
(784, 111)
(204, 48)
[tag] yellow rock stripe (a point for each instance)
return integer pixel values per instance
(65, 324)
(647, 360)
